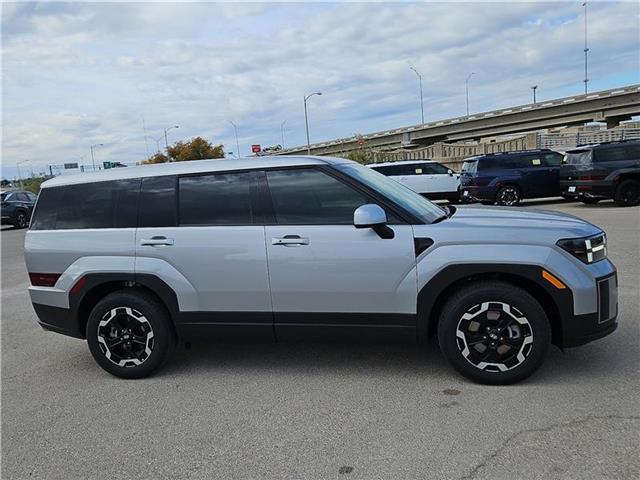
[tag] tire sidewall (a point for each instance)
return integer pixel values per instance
(618, 194)
(463, 301)
(157, 317)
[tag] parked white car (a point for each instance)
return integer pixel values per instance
(426, 177)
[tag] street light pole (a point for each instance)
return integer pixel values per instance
(467, 90)
(166, 142)
(586, 48)
(534, 87)
(20, 173)
(93, 160)
(421, 103)
(306, 119)
(282, 132)
(235, 129)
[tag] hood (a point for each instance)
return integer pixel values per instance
(512, 224)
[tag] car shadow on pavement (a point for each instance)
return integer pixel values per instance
(300, 357)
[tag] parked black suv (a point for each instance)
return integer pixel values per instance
(506, 178)
(17, 206)
(604, 170)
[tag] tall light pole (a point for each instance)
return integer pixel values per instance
(93, 160)
(466, 83)
(306, 119)
(19, 172)
(421, 103)
(166, 142)
(235, 129)
(534, 87)
(586, 49)
(282, 132)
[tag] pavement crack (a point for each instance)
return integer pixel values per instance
(488, 458)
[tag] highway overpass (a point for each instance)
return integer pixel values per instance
(610, 106)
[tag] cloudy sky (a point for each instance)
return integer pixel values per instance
(77, 74)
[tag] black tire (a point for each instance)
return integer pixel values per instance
(627, 193)
(514, 356)
(21, 220)
(131, 316)
(509, 196)
(589, 200)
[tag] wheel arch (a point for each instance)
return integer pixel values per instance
(435, 293)
(95, 286)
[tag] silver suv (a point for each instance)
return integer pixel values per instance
(292, 247)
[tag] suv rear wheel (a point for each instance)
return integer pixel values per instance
(494, 333)
(508, 195)
(129, 334)
(628, 193)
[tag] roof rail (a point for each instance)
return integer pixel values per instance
(532, 150)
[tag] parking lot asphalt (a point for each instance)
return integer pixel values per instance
(321, 411)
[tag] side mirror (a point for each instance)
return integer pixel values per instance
(450, 172)
(372, 216)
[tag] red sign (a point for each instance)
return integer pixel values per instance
(256, 148)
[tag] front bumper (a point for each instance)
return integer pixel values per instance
(580, 329)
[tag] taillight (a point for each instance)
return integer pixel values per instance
(44, 279)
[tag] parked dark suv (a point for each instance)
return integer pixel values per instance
(17, 206)
(506, 178)
(605, 170)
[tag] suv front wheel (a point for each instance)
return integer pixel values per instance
(129, 334)
(508, 195)
(494, 333)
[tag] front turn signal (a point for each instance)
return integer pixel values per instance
(553, 280)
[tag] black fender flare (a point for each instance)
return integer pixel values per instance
(557, 302)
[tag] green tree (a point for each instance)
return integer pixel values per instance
(195, 149)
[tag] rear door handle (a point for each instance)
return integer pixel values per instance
(289, 240)
(157, 240)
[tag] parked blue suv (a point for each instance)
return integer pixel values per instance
(506, 178)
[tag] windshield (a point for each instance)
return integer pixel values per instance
(5, 195)
(394, 191)
(578, 157)
(470, 167)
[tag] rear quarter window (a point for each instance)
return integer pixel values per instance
(112, 204)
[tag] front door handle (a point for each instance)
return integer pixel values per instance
(290, 240)
(157, 240)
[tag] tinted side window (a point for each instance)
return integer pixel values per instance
(158, 202)
(89, 205)
(44, 216)
(99, 205)
(435, 169)
(32, 196)
(22, 197)
(617, 153)
(553, 159)
(311, 197)
(220, 199)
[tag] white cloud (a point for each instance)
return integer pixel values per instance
(78, 74)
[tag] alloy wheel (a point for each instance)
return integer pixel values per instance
(21, 220)
(509, 196)
(125, 337)
(494, 336)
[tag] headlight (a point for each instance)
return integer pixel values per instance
(589, 250)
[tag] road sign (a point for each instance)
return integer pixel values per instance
(256, 148)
